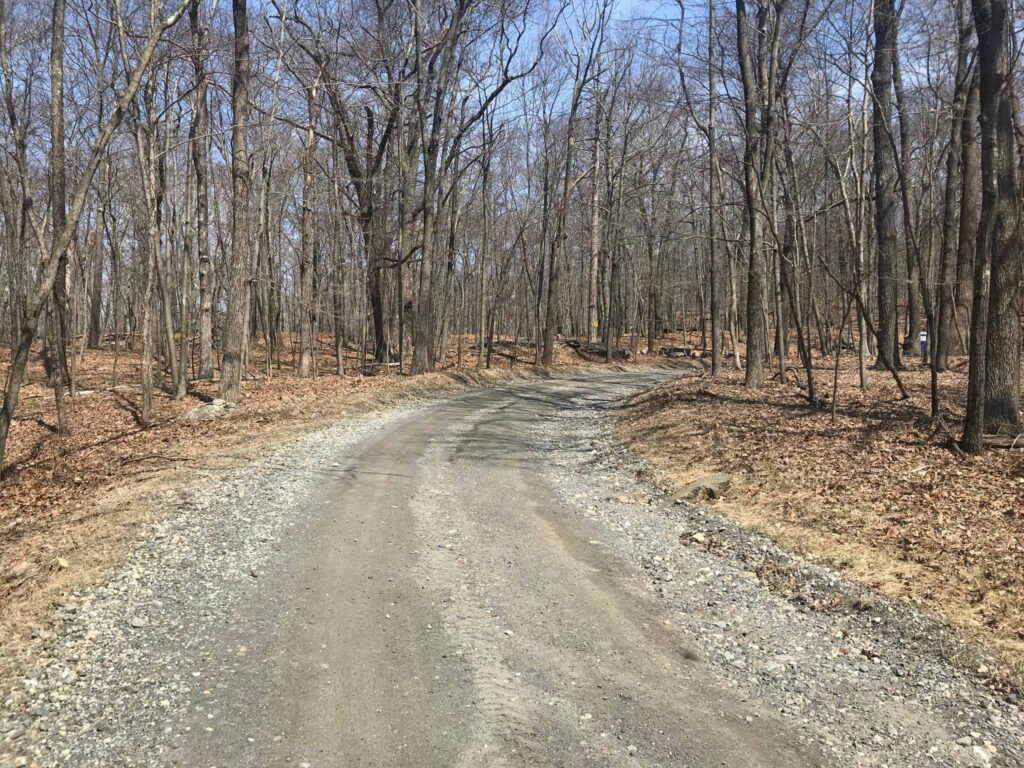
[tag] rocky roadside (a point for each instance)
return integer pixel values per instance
(872, 682)
(110, 684)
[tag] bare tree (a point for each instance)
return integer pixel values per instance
(238, 288)
(993, 389)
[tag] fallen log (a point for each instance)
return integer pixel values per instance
(1003, 441)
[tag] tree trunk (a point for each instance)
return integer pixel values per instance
(714, 203)
(595, 227)
(1002, 356)
(306, 246)
(198, 144)
(757, 349)
(482, 261)
(948, 260)
(238, 289)
(96, 289)
(883, 177)
(57, 340)
(993, 386)
(970, 194)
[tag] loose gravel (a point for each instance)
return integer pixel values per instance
(115, 677)
(871, 681)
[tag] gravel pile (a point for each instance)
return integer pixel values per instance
(115, 676)
(871, 681)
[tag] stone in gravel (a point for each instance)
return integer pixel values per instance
(631, 749)
(22, 570)
(708, 487)
(137, 622)
(982, 755)
(208, 412)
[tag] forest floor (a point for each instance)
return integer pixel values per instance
(64, 501)
(876, 493)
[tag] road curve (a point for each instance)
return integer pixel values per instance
(446, 609)
(481, 582)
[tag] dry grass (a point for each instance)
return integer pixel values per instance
(878, 493)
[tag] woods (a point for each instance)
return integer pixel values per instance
(214, 192)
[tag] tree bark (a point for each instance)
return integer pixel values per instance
(970, 194)
(96, 289)
(948, 260)
(596, 232)
(993, 386)
(714, 202)
(883, 177)
(1002, 356)
(56, 353)
(238, 289)
(307, 236)
(198, 147)
(757, 349)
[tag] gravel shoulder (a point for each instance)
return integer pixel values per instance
(875, 682)
(486, 581)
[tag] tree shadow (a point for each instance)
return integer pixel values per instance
(125, 404)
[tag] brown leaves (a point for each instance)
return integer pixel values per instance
(880, 478)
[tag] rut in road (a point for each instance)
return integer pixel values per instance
(525, 593)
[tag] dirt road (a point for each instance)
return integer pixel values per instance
(479, 582)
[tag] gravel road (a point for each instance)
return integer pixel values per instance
(488, 580)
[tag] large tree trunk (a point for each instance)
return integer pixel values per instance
(886, 202)
(56, 354)
(1002, 357)
(198, 144)
(714, 202)
(377, 249)
(423, 327)
(164, 268)
(757, 347)
(96, 289)
(151, 244)
(596, 232)
(338, 268)
(238, 289)
(555, 257)
(584, 65)
(306, 247)
(970, 194)
(485, 192)
(948, 260)
(911, 253)
(993, 387)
